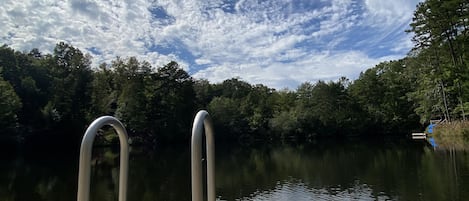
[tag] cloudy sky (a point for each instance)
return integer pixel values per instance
(277, 43)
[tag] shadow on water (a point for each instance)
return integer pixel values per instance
(37, 174)
(321, 170)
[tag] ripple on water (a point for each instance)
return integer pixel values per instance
(297, 190)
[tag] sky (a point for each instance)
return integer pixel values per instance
(278, 43)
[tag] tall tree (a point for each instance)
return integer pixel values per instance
(71, 88)
(131, 99)
(30, 79)
(173, 98)
(10, 105)
(104, 92)
(382, 92)
(441, 28)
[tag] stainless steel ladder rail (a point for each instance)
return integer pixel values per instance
(202, 120)
(84, 174)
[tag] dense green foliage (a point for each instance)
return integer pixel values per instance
(9, 106)
(61, 92)
(439, 61)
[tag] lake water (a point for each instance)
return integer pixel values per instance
(321, 170)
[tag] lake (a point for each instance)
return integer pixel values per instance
(320, 170)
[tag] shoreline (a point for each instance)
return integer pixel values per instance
(452, 135)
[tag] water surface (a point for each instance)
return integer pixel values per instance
(322, 170)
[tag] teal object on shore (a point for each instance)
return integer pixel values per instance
(430, 128)
(432, 142)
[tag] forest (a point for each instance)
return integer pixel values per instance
(58, 94)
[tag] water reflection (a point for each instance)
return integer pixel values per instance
(366, 171)
(29, 176)
(348, 170)
(450, 142)
(299, 191)
(161, 174)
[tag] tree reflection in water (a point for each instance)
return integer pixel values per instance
(325, 170)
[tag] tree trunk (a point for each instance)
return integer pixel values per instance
(445, 101)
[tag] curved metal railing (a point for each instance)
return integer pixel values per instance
(202, 120)
(84, 174)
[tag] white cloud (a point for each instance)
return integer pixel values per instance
(278, 43)
(112, 28)
(318, 66)
(389, 19)
(202, 61)
(403, 44)
(387, 13)
(339, 18)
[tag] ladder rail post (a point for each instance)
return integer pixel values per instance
(202, 120)
(84, 173)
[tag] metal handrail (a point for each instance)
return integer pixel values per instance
(202, 120)
(84, 174)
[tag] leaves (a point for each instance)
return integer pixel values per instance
(10, 104)
(441, 38)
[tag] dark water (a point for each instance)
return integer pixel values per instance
(324, 170)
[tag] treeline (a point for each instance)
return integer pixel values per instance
(60, 92)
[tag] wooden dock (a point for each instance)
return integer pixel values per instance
(419, 136)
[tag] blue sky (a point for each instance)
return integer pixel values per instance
(276, 43)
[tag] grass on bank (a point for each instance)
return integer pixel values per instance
(452, 135)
